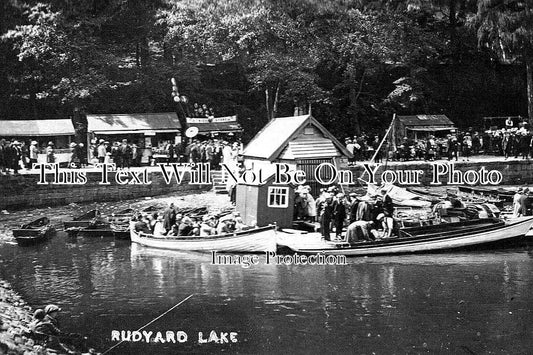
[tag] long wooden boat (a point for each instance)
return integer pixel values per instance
(432, 238)
(83, 221)
(498, 193)
(34, 232)
(257, 240)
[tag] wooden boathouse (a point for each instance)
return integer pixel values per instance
(299, 141)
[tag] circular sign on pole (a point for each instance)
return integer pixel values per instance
(191, 132)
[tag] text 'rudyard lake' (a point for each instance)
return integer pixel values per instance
(277, 173)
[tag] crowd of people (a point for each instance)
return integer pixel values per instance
(171, 223)
(513, 140)
(202, 111)
(123, 154)
(16, 155)
(451, 147)
(334, 210)
(212, 151)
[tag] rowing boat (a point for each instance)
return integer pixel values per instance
(34, 232)
(257, 240)
(431, 238)
(83, 221)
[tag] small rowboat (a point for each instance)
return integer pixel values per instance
(82, 221)
(97, 227)
(34, 232)
(257, 240)
(433, 238)
(121, 231)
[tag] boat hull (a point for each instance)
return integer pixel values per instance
(432, 243)
(26, 237)
(258, 240)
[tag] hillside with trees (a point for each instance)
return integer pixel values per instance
(354, 62)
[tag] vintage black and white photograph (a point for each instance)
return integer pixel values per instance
(266, 177)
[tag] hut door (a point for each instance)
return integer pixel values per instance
(309, 166)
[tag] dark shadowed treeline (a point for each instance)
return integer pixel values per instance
(354, 61)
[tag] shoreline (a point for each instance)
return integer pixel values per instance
(15, 318)
(16, 314)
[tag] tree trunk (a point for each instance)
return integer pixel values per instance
(137, 54)
(145, 52)
(267, 103)
(354, 98)
(275, 104)
(452, 18)
(529, 70)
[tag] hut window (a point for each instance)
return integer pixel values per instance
(278, 197)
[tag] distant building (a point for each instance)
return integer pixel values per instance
(58, 131)
(421, 126)
(147, 130)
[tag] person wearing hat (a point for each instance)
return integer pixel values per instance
(186, 227)
(14, 155)
(326, 215)
(208, 226)
(169, 217)
(52, 314)
(44, 328)
(467, 146)
(102, 151)
(33, 152)
(159, 229)
(453, 147)
(50, 157)
(352, 210)
(516, 202)
(226, 225)
(339, 214)
(124, 155)
(525, 203)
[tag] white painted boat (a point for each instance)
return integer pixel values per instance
(257, 240)
(423, 239)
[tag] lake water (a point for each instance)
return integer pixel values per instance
(461, 303)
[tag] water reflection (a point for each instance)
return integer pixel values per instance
(407, 304)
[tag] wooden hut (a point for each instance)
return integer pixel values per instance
(266, 203)
(420, 126)
(299, 141)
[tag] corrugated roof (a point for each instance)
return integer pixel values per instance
(167, 121)
(425, 120)
(35, 128)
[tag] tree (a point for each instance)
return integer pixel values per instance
(274, 49)
(506, 27)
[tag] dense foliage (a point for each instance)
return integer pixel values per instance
(355, 62)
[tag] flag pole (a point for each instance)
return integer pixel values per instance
(384, 138)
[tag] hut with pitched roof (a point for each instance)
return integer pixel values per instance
(299, 141)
